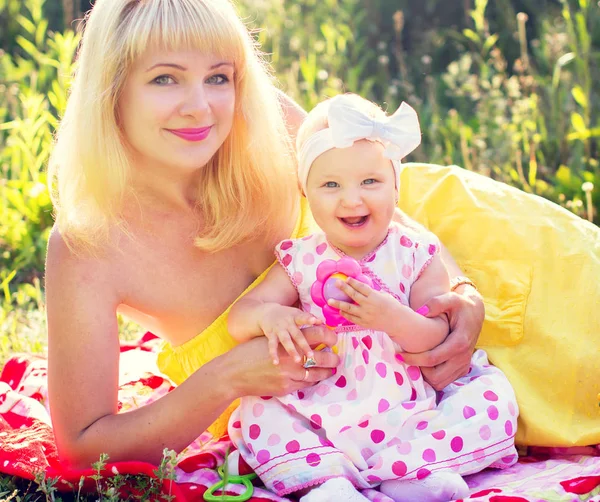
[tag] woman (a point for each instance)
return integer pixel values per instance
(172, 181)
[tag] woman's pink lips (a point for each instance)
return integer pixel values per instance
(196, 134)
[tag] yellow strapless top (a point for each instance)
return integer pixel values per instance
(538, 269)
(181, 361)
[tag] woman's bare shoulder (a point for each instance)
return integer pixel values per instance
(65, 263)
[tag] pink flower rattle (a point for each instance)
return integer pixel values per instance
(324, 288)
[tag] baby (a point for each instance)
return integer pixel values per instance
(375, 422)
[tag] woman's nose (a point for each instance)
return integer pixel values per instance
(195, 101)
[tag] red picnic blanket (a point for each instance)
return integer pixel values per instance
(27, 447)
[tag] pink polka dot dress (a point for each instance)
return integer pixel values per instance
(376, 418)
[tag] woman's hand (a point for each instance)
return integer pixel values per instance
(451, 359)
(251, 372)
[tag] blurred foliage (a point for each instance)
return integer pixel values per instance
(503, 88)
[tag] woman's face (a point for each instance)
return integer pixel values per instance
(176, 108)
(351, 192)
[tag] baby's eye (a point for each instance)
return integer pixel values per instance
(369, 181)
(331, 184)
(164, 80)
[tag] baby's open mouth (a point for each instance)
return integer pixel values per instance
(355, 221)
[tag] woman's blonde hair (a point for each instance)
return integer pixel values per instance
(247, 185)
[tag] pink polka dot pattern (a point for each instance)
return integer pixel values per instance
(237, 424)
(334, 410)
(316, 421)
(439, 435)
(399, 378)
(456, 444)
(313, 459)
(322, 390)
(405, 241)
(377, 436)
(490, 395)
(286, 260)
(468, 412)
(383, 405)
(360, 411)
(308, 259)
(254, 431)
(423, 473)
(298, 427)
(432, 248)
(263, 456)
(422, 425)
(258, 409)
(360, 372)
(285, 245)
(273, 440)
(485, 432)
(492, 412)
(399, 468)
(341, 382)
(414, 373)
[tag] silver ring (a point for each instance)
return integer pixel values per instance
(305, 378)
(309, 362)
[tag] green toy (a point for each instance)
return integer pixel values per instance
(245, 479)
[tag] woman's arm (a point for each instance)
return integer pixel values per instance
(82, 297)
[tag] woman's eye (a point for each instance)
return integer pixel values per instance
(370, 181)
(164, 80)
(219, 79)
(331, 184)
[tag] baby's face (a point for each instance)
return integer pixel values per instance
(352, 196)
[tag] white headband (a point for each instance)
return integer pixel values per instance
(399, 133)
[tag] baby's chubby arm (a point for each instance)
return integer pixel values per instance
(415, 332)
(267, 311)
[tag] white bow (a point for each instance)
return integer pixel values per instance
(400, 133)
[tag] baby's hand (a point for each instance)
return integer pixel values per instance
(371, 309)
(281, 324)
